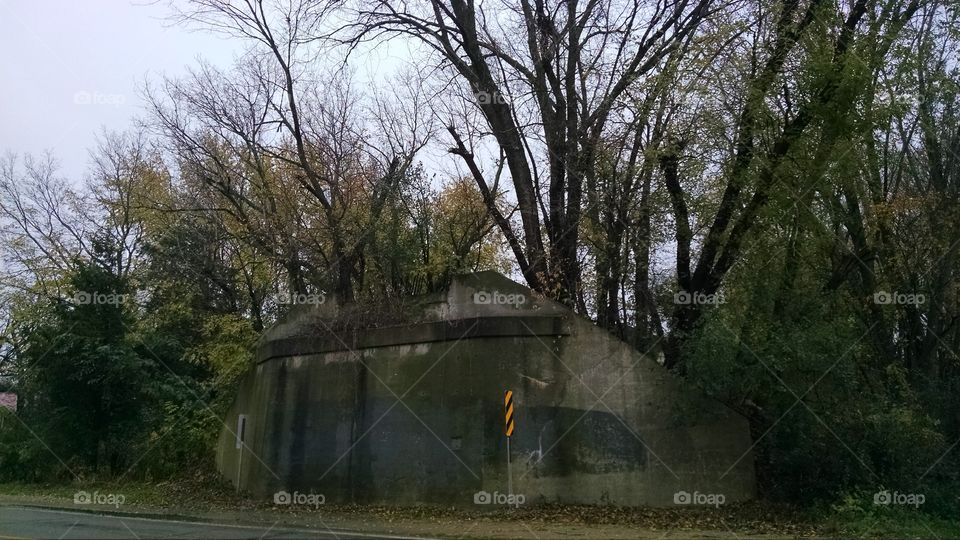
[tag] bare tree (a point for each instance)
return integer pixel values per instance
(285, 116)
(45, 228)
(547, 79)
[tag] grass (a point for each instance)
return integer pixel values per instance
(208, 494)
(200, 492)
(857, 517)
(900, 525)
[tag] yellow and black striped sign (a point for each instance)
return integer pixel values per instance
(508, 415)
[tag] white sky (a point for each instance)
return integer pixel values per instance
(73, 67)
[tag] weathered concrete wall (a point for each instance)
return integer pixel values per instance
(414, 414)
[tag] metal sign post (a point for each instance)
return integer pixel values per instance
(241, 435)
(508, 429)
(239, 468)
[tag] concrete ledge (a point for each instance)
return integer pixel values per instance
(475, 327)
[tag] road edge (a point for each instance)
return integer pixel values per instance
(208, 520)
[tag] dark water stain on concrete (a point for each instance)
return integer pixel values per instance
(560, 441)
(275, 426)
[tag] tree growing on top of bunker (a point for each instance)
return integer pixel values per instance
(427, 235)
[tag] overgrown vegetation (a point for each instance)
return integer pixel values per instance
(763, 194)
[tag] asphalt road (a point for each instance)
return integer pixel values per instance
(18, 522)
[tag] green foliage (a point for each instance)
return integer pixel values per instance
(830, 415)
(23, 456)
(795, 169)
(427, 234)
(109, 390)
(855, 515)
(81, 382)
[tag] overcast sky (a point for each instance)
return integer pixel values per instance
(71, 67)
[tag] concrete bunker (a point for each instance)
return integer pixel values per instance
(405, 406)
